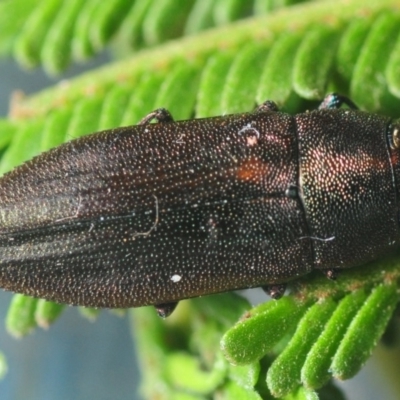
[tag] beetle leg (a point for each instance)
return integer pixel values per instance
(335, 100)
(267, 106)
(160, 115)
(275, 291)
(165, 310)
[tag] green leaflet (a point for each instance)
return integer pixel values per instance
(234, 391)
(165, 20)
(106, 20)
(12, 16)
(89, 313)
(352, 40)
(55, 128)
(57, 47)
(114, 106)
(20, 318)
(392, 70)
(209, 98)
(131, 31)
(185, 372)
(25, 144)
(142, 99)
(201, 17)
(364, 332)
(284, 374)
(7, 129)
(85, 117)
(310, 82)
(315, 371)
(245, 376)
(180, 84)
(367, 86)
(82, 43)
(28, 45)
(47, 312)
(276, 80)
(254, 336)
(248, 62)
(231, 10)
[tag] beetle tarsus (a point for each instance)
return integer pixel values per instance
(334, 100)
(165, 310)
(331, 274)
(267, 106)
(275, 291)
(161, 115)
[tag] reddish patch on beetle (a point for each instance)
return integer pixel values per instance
(251, 170)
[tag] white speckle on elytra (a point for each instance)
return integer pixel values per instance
(176, 278)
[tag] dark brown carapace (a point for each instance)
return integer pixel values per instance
(155, 213)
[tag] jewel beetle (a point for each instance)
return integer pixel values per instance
(158, 212)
